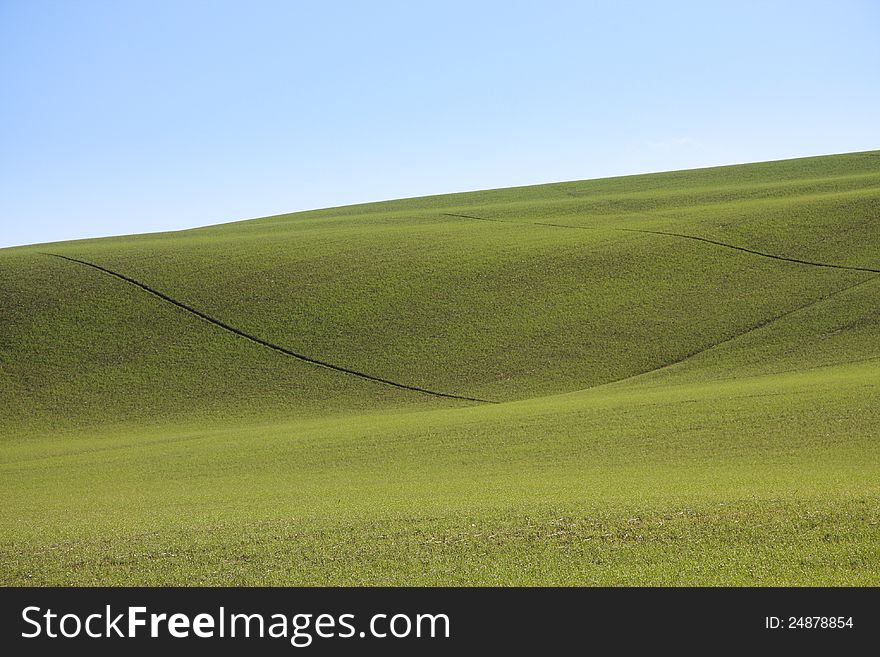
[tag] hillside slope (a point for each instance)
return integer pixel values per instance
(648, 379)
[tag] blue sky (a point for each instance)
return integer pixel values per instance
(123, 117)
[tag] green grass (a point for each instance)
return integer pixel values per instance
(670, 411)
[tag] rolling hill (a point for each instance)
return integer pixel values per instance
(659, 379)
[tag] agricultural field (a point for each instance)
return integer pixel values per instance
(664, 379)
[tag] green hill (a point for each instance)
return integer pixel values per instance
(659, 379)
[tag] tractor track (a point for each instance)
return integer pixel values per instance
(265, 343)
(679, 236)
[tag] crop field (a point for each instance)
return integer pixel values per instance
(664, 379)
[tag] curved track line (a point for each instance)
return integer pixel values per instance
(752, 251)
(470, 216)
(763, 323)
(680, 236)
(745, 332)
(266, 343)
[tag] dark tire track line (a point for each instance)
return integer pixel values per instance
(736, 336)
(265, 343)
(680, 236)
(470, 216)
(752, 251)
(755, 327)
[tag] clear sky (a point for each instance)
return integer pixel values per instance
(136, 116)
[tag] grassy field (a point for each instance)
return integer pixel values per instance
(662, 379)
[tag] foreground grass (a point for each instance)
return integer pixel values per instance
(768, 480)
(772, 543)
